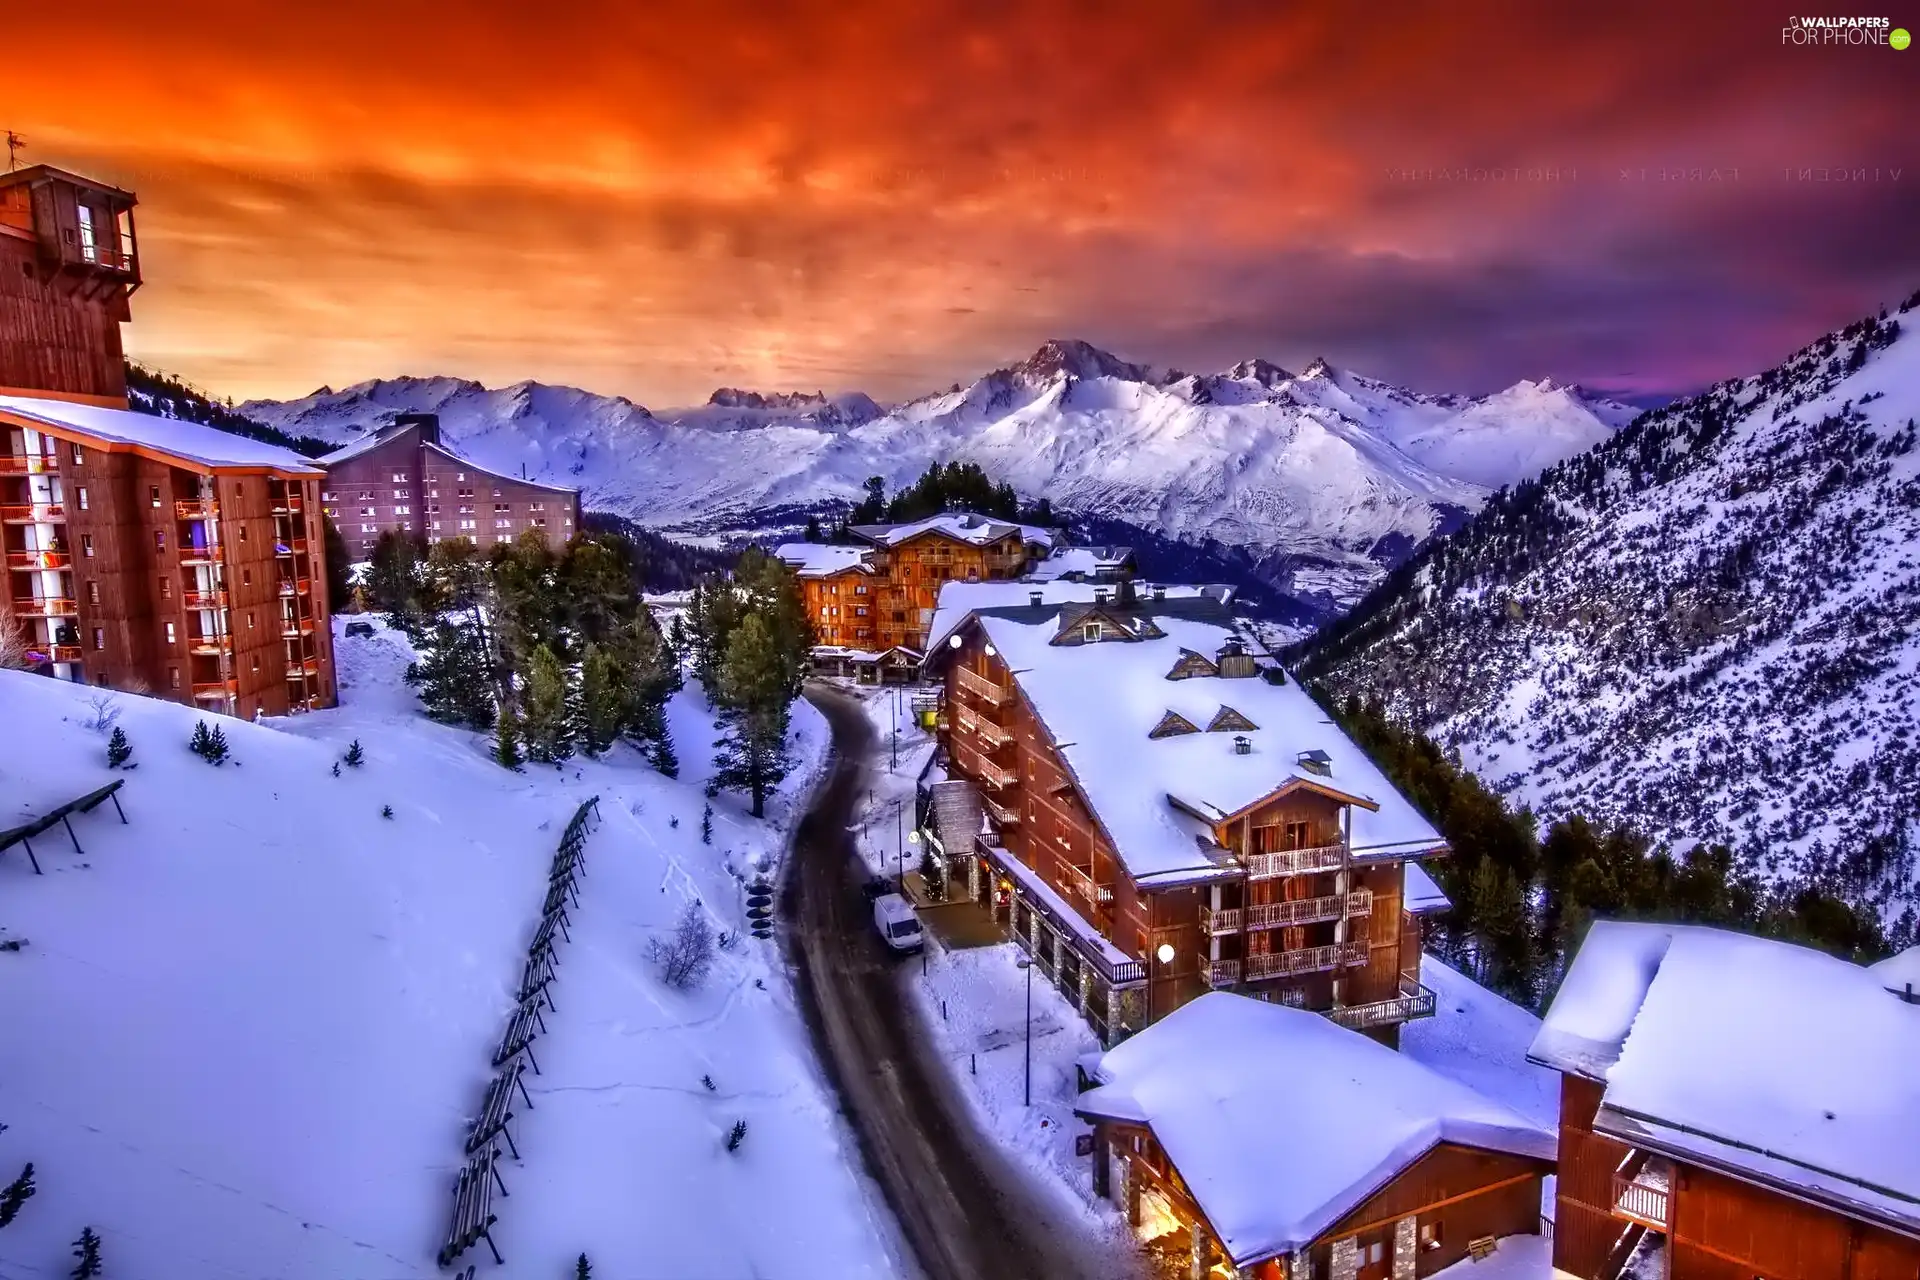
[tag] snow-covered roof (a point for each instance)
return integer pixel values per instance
(1771, 1061)
(1272, 1178)
(1100, 701)
(820, 559)
(373, 438)
(958, 599)
(485, 470)
(1420, 893)
(962, 526)
(191, 442)
(1899, 973)
(1081, 560)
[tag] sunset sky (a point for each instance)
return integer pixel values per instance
(655, 200)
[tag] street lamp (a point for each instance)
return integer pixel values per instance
(1027, 964)
(913, 838)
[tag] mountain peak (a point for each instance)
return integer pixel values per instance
(1264, 372)
(1076, 359)
(1319, 369)
(738, 398)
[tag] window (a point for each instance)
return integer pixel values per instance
(79, 455)
(860, 612)
(503, 506)
(172, 636)
(436, 526)
(399, 477)
(243, 533)
(1375, 1252)
(367, 511)
(366, 528)
(461, 475)
(83, 497)
(467, 524)
(1090, 633)
(366, 495)
(496, 493)
(166, 588)
(326, 496)
(503, 524)
(153, 494)
(536, 506)
(246, 577)
(159, 539)
(93, 593)
(1429, 1235)
(256, 662)
(173, 677)
(86, 542)
(249, 619)
(403, 511)
(99, 637)
(860, 590)
(402, 493)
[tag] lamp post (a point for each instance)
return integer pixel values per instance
(1027, 963)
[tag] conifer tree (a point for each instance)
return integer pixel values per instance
(706, 826)
(355, 757)
(16, 1194)
(546, 713)
(339, 575)
(506, 738)
(217, 746)
(454, 674)
(86, 1253)
(604, 699)
(119, 750)
(752, 752)
(582, 1269)
(661, 755)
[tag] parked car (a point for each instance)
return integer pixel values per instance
(899, 927)
(359, 628)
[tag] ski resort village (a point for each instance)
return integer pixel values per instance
(463, 832)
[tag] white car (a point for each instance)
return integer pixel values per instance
(899, 927)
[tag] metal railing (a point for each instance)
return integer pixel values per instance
(981, 727)
(197, 509)
(1294, 862)
(34, 512)
(981, 687)
(27, 464)
(39, 560)
(46, 607)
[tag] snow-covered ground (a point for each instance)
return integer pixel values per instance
(257, 1018)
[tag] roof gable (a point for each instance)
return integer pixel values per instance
(1228, 719)
(1193, 664)
(1170, 724)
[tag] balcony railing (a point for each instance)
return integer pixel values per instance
(1001, 813)
(1280, 915)
(287, 506)
(290, 586)
(983, 770)
(982, 688)
(1087, 887)
(309, 668)
(981, 727)
(34, 513)
(46, 607)
(1414, 1001)
(291, 629)
(27, 464)
(292, 547)
(1642, 1198)
(206, 553)
(204, 599)
(1286, 964)
(39, 560)
(198, 509)
(220, 690)
(65, 653)
(1294, 862)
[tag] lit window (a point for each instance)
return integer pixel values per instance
(83, 497)
(78, 457)
(173, 677)
(99, 637)
(159, 539)
(171, 636)
(93, 593)
(86, 539)
(153, 491)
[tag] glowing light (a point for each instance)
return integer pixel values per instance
(953, 642)
(991, 651)
(1165, 953)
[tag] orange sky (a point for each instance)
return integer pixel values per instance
(655, 200)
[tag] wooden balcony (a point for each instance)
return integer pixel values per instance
(1294, 862)
(198, 509)
(980, 727)
(1281, 915)
(1414, 1001)
(46, 607)
(1287, 964)
(34, 513)
(291, 586)
(39, 560)
(1001, 814)
(292, 547)
(28, 464)
(287, 506)
(209, 554)
(1642, 1196)
(216, 690)
(308, 669)
(978, 686)
(983, 770)
(1087, 887)
(64, 653)
(204, 599)
(293, 629)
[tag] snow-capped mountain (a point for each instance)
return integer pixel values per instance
(1328, 476)
(1708, 626)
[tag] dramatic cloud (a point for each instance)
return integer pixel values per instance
(654, 200)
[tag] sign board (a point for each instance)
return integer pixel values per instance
(1083, 1144)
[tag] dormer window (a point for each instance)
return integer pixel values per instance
(1171, 725)
(1090, 633)
(1318, 762)
(1229, 719)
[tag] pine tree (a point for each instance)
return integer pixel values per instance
(582, 1269)
(217, 746)
(86, 1252)
(706, 826)
(15, 1194)
(546, 716)
(506, 738)
(339, 574)
(661, 755)
(355, 757)
(386, 811)
(603, 699)
(209, 745)
(752, 752)
(119, 750)
(454, 674)
(336, 768)
(812, 532)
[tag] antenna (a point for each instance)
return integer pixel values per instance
(15, 145)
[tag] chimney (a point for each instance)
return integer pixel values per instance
(1036, 598)
(429, 424)
(1159, 592)
(1242, 745)
(1099, 595)
(1234, 661)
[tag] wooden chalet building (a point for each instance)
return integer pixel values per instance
(1284, 1147)
(1158, 811)
(400, 477)
(141, 553)
(872, 602)
(1732, 1108)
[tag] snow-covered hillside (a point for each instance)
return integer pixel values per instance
(1337, 472)
(245, 1032)
(1708, 627)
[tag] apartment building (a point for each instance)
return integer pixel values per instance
(141, 553)
(401, 477)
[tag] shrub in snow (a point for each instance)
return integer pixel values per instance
(15, 1194)
(355, 757)
(336, 768)
(706, 826)
(707, 1080)
(86, 1252)
(506, 738)
(386, 811)
(582, 1269)
(103, 709)
(736, 1135)
(728, 940)
(209, 745)
(685, 958)
(119, 750)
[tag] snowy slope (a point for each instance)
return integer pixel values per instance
(261, 1013)
(1336, 469)
(1709, 626)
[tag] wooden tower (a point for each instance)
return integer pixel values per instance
(68, 265)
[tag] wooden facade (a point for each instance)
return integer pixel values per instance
(1308, 927)
(69, 263)
(133, 568)
(912, 572)
(1712, 1226)
(406, 480)
(844, 607)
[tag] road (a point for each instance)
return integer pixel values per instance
(965, 1210)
